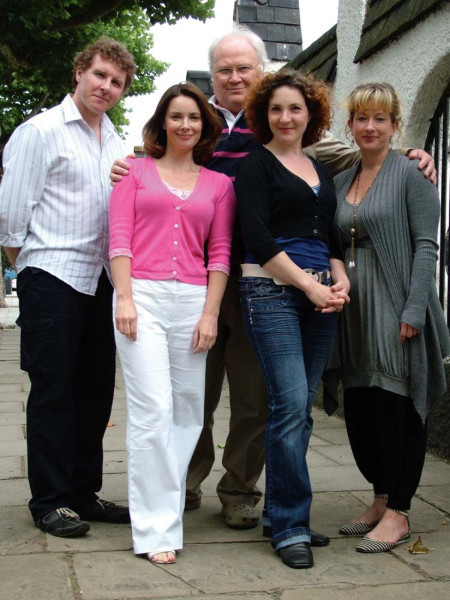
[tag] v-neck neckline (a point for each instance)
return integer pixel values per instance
(316, 196)
(174, 198)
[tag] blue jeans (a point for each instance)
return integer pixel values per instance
(292, 342)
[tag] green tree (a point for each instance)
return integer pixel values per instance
(39, 38)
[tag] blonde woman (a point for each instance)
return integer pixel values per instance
(392, 335)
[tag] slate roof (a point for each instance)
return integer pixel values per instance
(386, 20)
(319, 59)
(202, 79)
(277, 22)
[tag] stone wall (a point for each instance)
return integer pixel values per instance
(417, 65)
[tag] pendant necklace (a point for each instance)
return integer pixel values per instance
(356, 205)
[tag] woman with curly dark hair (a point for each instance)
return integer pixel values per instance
(166, 301)
(293, 284)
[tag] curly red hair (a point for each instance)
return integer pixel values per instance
(317, 98)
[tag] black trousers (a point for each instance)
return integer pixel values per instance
(388, 442)
(68, 349)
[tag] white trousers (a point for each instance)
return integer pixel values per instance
(165, 387)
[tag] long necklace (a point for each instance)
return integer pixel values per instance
(356, 205)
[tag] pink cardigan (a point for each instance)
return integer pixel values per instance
(165, 236)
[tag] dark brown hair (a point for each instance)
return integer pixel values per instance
(108, 49)
(154, 134)
(317, 98)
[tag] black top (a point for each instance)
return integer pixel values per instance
(273, 203)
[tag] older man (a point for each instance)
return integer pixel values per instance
(54, 226)
(236, 61)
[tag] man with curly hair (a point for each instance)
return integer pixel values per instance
(54, 227)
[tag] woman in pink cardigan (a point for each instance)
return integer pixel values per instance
(168, 290)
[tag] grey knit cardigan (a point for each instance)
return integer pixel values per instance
(402, 222)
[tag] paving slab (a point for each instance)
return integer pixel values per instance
(10, 387)
(113, 443)
(14, 492)
(13, 448)
(337, 478)
(243, 596)
(12, 374)
(124, 575)
(115, 461)
(255, 567)
(114, 488)
(103, 537)
(413, 591)
(206, 525)
(11, 432)
(436, 473)
(117, 428)
(331, 510)
(18, 534)
(11, 406)
(316, 459)
(336, 435)
(13, 397)
(13, 418)
(436, 496)
(11, 466)
(435, 564)
(217, 563)
(36, 577)
(339, 454)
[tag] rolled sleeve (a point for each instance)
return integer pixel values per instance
(22, 186)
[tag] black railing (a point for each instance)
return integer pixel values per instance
(437, 144)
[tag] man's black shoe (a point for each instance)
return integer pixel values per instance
(317, 539)
(297, 556)
(107, 512)
(63, 522)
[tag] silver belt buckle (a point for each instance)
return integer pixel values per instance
(319, 276)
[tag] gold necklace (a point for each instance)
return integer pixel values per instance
(356, 205)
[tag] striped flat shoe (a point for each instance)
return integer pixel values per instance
(368, 546)
(356, 528)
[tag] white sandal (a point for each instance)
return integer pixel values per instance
(152, 557)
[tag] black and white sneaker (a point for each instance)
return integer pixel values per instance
(104, 511)
(63, 522)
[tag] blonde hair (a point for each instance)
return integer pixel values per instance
(375, 95)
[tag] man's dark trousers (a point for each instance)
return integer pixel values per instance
(68, 349)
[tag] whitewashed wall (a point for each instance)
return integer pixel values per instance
(417, 64)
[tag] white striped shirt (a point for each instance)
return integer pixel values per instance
(55, 192)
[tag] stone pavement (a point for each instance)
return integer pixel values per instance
(217, 563)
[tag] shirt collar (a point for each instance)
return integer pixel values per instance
(71, 113)
(230, 118)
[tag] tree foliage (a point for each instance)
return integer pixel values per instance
(39, 38)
